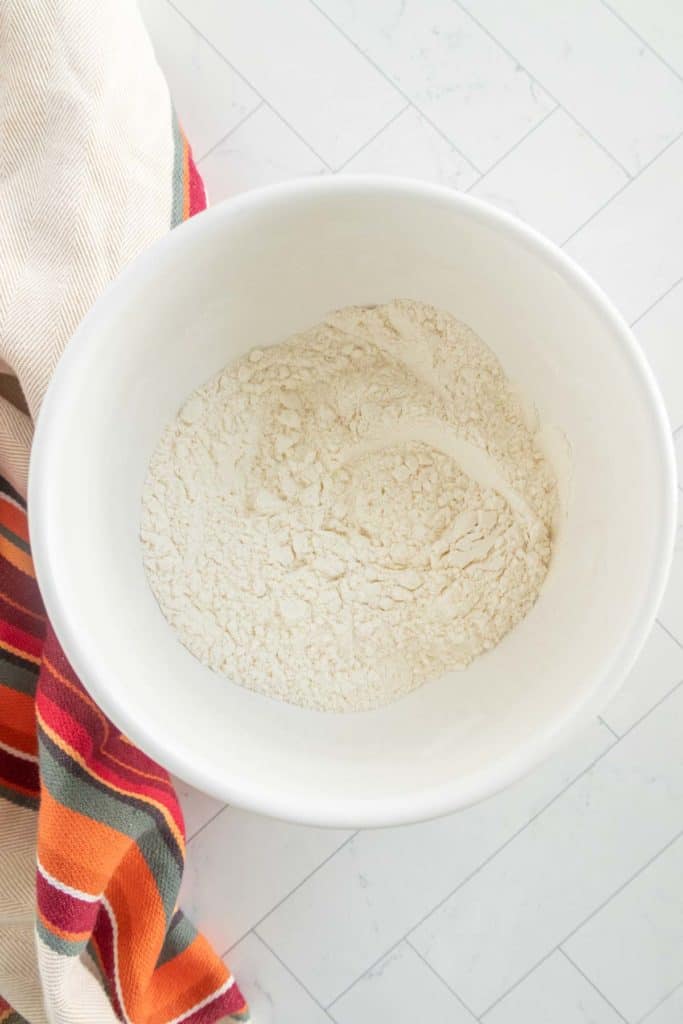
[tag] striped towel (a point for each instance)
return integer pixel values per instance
(92, 837)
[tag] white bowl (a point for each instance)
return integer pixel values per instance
(250, 272)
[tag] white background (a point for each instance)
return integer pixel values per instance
(559, 901)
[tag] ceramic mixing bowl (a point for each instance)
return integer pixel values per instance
(250, 272)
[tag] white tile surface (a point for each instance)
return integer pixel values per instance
(324, 102)
(595, 67)
(633, 246)
(660, 23)
(669, 1011)
(396, 990)
(262, 151)
(573, 857)
(198, 808)
(409, 146)
(555, 179)
(333, 97)
(659, 332)
(678, 444)
(633, 948)
(554, 993)
(671, 610)
(391, 878)
(195, 73)
(658, 669)
(436, 54)
(242, 864)
(274, 996)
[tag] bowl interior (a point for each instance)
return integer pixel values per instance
(250, 273)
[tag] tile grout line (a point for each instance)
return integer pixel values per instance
(205, 825)
(291, 973)
(495, 853)
(442, 980)
(621, 888)
(622, 188)
(540, 84)
(512, 149)
(648, 46)
(609, 729)
(251, 85)
(648, 863)
(648, 1014)
(667, 630)
(235, 127)
(656, 302)
(520, 981)
(372, 138)
(406, 936)
(589, 917)
(592, 984)
(395, 86)
(291, 892)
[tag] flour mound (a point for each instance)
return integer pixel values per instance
(339, 518)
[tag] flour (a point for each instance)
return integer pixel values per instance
(339, 518)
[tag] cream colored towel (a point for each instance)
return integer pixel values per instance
(86, 163)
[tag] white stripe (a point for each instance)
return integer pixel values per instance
(115, 945)
(62, 887)
(18, 753)
(225, 987)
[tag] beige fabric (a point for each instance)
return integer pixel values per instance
(86, 159)
(86, 165)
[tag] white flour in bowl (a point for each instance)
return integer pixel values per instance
(339, 518)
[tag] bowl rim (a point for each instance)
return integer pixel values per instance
(89, 665)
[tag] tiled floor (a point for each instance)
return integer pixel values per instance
(559, 901)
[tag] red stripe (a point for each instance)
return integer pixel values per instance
(20, 587)
(20, 639)
(80, 740)
(19, 773)
(104, 940)
(105, 736)
(66, 912)
(24, 620)
(197, 191)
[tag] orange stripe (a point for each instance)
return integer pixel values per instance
(21, 654)
(140, 935)
(105, 723)
(16, 557)
(18, 719)
(27, 744)
(187, 979)
(61, 932)
(79, 759)
(13, 518)
(75, 849)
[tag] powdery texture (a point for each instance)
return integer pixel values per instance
(339, 518)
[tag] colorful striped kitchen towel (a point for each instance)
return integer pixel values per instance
(91, 834)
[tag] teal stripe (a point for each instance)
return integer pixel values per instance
(178, 183)
(20, 799)
(180, 935)
(12, 537)
(18, 677)
(74, 789)
(60, 945)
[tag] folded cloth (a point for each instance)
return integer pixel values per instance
(93, 168)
